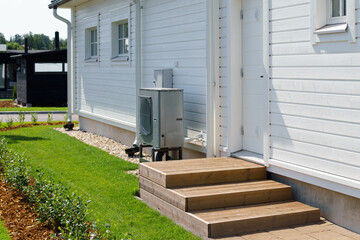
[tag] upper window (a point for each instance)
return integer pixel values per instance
(123, 38)
(120, 40)
(91, 44)
(336, 11)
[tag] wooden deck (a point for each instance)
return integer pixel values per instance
(219, 197)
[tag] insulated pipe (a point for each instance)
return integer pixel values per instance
(69, 82)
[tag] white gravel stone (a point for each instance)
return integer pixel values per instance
(106, 144)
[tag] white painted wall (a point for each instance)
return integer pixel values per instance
(105, 88)
(173, 36)
(315, 96)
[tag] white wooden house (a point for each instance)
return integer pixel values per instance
(277, 82)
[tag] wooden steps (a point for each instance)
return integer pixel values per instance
(221, 196)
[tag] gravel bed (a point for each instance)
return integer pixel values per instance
(106, 144)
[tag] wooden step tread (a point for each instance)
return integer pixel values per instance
(224, 188)
(245, 219)
(219, 195)
(253, 211)
(201, 171)
(200, 165)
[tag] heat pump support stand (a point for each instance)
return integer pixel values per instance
(154, 150)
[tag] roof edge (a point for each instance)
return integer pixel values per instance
(56, 3)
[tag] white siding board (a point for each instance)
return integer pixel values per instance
(318, 125)
(320, 112)
(314, 163)
(309, 135)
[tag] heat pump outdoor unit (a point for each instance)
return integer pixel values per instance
(161, 117)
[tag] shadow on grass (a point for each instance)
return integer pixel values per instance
(11, 139)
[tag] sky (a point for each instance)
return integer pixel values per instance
(24, 16)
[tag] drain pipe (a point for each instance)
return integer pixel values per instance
(69, 124)
(138, 70)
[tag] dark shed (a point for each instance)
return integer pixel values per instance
(42, 78)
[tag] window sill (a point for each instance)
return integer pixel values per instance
(91, 60)
(120, 59)
(334, 28)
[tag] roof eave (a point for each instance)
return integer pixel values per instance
(57, 3)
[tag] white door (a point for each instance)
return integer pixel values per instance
(254, 77)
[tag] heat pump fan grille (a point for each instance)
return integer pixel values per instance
(145, 116)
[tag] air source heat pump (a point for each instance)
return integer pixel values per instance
(161, 117)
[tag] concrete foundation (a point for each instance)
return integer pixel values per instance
(338, 208)
(124, 136)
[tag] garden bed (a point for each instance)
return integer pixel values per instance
(8, 104)
(19, 218)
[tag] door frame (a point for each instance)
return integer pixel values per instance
(235, 99)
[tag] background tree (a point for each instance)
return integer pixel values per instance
(18, 39)
(13, 46)
(2, 38)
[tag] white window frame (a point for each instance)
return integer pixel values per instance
(89, 43)
(116, 38)
(336, 20)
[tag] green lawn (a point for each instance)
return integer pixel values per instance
(4, 235)
(98, 176)
(33, 109)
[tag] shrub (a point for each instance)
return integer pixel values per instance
(52, 201)
(9, 122)
(66, 115)
(21, 117)
(49, 118)
(14, 95)
(34, 117)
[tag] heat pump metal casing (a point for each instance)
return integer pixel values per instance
(161, 117)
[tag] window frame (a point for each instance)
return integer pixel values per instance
(89, 43)
(339, 19)
(117, 56)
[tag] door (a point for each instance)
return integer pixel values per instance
(254, 77)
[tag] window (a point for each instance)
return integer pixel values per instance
(338, 8)
(91, 44)
(120, 41)
(123, 39)
(336, 11)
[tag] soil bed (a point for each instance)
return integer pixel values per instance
(8, 104)
(19, 218)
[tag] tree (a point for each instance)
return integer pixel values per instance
(13, 46)
(2, 39)
(18, 39)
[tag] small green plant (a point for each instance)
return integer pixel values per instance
(34, 117)
(1, 122)
(49, 117)
(66, 115)
(9, 122)
(21, 117)
(14, 95)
